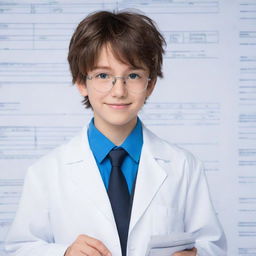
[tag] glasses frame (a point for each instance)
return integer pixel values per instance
(114, 79)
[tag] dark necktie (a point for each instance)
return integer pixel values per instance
(119, 196)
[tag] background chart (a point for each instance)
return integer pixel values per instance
(206, 101)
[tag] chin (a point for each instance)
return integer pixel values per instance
(119, 121)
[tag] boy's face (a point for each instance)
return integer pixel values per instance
(119, 106)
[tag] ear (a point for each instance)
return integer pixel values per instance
(82, 88)
(151, 86)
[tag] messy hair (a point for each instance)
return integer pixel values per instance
(133, 38)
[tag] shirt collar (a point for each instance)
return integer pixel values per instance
(101, 145)
(133, 143)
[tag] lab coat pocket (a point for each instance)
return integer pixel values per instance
(163, 220)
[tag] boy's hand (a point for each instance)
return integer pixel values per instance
(191, 252)
(85, 245)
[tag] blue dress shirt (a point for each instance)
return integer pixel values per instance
(101, 146)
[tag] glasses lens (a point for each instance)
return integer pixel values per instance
(101, 82)
(137, 85)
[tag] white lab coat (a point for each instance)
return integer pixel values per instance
(64, 196)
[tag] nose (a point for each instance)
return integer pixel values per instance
(119, 87)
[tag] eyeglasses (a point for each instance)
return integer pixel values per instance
(104, 82)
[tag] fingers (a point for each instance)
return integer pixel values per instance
(96, 244)
(191, 252)
(89, 246)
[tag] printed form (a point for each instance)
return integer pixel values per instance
(206, 101)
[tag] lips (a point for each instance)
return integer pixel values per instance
(118, 105)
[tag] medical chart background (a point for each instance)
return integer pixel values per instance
(206, 102)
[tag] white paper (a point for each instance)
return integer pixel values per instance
(167, 245)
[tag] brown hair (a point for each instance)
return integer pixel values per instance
(133, 37)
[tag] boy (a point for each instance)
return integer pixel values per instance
(112, 187)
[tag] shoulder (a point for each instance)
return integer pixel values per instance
(163, 149)
(56, 158)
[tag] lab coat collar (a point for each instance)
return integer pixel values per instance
(150, 176)
(83, 171)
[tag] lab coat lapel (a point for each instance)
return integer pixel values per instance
(150, 177)
(85, 176)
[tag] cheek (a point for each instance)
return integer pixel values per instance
(142, 100)
(95, 98)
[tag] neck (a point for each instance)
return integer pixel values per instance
(116, 133)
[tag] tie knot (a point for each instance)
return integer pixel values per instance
(117, 156)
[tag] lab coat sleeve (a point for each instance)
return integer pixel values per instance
(200, 216)
(30, 233)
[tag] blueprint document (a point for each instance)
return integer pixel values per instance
(166, 245)
(206, 102)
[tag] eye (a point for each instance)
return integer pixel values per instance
(134, 76)
(102, 76)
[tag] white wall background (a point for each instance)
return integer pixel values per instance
(206, 102)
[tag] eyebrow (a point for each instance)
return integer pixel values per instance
(109, 68)
(101, 67)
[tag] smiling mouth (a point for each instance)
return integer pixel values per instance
(118, 105)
